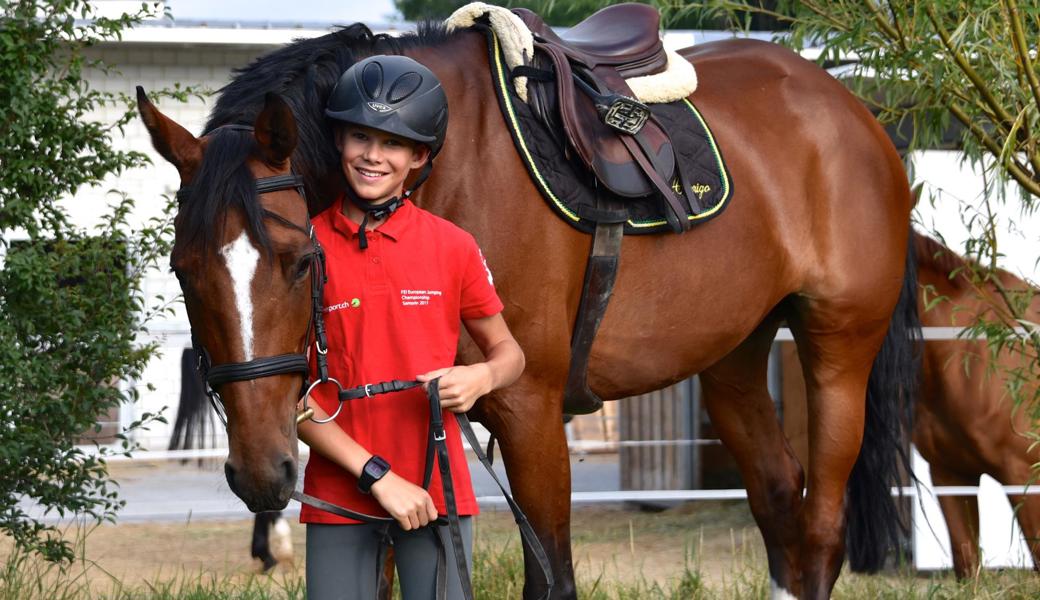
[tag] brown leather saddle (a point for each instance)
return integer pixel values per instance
(583, 94)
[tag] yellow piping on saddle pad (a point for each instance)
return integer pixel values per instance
(500, 80)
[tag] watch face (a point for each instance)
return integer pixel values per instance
(377, 467)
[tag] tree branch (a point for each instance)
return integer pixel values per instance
(991, 101)
(886, 27)
(1017, 172)
(1018, 41)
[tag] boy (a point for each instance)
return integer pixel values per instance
(400, 282)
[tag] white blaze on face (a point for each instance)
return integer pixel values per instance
(779, 593)
(241, 259)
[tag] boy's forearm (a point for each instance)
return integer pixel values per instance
(332, 442)
(505, 361)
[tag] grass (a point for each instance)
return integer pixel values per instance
(498, 574)
(711, 552)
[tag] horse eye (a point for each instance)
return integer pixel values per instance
(303, 267)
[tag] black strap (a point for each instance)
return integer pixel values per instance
(532, 73)
(278, 182)
(439, 445)
(256, 368)
(526, 531)
(448, 485)
(374, 389)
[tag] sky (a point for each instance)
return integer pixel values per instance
(281, 11)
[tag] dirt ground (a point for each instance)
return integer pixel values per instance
(617, 543)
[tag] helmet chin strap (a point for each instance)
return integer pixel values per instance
(384, 209)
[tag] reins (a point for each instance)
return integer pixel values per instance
(216, 375)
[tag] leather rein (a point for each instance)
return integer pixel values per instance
(216, 375)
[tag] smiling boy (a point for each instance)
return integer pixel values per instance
(402, 281)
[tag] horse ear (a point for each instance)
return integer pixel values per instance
(275, 130)
(172, 141)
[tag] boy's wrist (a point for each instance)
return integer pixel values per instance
(375, 469)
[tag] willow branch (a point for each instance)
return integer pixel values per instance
(825, 15)
(742, 7)
(1018, 39)
(895, 23)
(991, 101)
(1017, 172)
(886, 27)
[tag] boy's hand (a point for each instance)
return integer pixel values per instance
(406, 502)
(460, 386)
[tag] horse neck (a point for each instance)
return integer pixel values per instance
(935, 264)
(478, 168)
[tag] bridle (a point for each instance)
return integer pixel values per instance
(282, 364)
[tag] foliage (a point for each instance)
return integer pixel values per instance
(71, 301)
(970, 62)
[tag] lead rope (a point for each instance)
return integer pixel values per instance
(438, 444)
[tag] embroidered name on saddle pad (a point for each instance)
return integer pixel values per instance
(568, 188)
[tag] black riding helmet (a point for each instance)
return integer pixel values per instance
(394, 94)
(397, 95)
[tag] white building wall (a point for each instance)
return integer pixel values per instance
(155, 66)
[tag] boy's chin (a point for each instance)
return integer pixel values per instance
(375, 196)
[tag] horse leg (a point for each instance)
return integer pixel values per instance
(837, 352)
(1027, 506)
(527, 421)
(962, 520)
(742, 412)
(1028, 515)
(261, 547)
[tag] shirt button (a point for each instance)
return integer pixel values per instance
(375, 259)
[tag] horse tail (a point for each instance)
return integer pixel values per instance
(875, 523)
(193, 425)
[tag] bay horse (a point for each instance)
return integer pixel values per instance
(965, 423)
(816, 235)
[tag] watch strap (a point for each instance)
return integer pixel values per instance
(373, 471)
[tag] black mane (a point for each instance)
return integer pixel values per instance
(304, 73)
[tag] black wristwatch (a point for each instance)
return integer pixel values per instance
(372, 472)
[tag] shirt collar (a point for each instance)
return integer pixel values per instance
(393, 228)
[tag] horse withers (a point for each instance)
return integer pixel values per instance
(815, 235)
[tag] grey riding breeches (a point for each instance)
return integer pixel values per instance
(343, 560)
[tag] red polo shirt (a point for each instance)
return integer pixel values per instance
(393, 311)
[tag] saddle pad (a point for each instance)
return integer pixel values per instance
(568, 188)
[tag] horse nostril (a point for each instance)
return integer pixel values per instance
(289, 466)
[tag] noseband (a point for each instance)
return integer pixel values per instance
(266, 366)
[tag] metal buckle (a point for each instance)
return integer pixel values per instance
(368, 390)
(439, 437)
(626, 115)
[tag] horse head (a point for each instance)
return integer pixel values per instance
(247, 265)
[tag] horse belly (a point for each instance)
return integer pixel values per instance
(681, 303)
